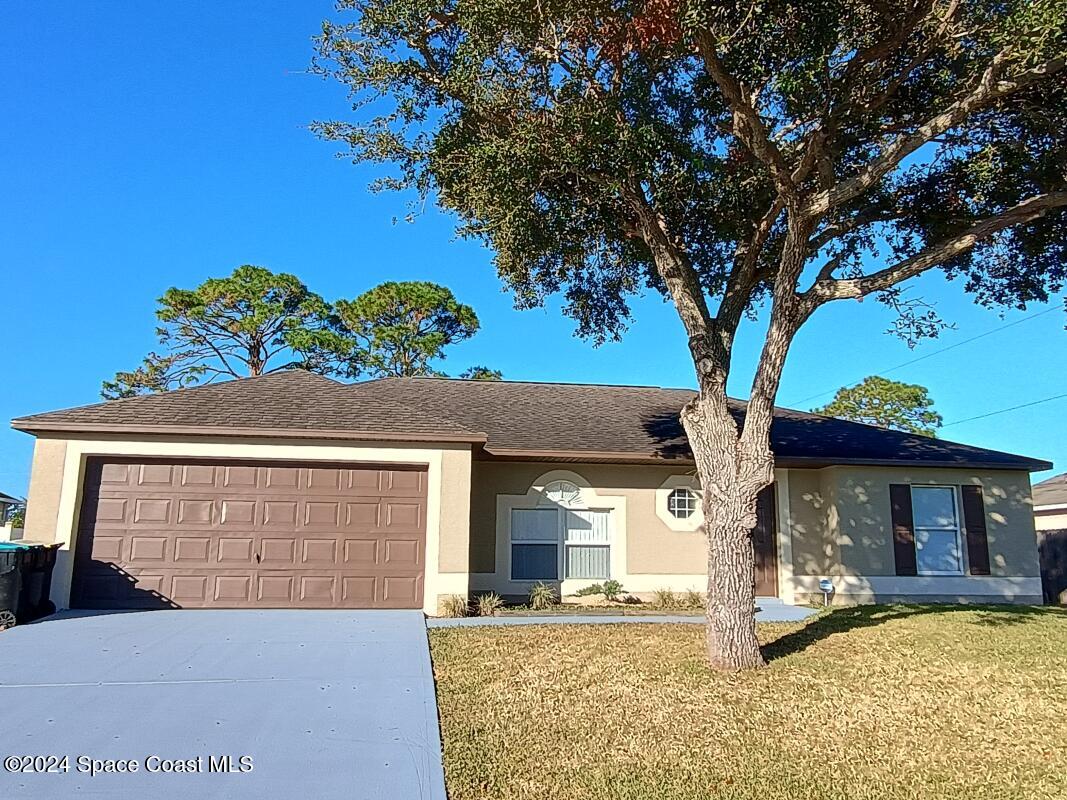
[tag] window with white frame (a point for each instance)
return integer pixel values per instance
(560, 538)
(682, 503)
(935, 515)
(534, 544)
(587, 544)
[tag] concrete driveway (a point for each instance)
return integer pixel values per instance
(322, 704)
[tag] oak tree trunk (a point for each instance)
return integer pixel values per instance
(731, 481)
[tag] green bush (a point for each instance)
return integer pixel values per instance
(611, 590)
(488, 605)
(666, 599)
(542, 596)
(589, 591)
(454, 606)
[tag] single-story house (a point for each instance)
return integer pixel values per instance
(1050, 519)
(293, 490)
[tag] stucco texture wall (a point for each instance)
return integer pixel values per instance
(651, 547)
(46, 486)
(865, 537)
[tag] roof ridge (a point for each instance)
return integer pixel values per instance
(509, 381)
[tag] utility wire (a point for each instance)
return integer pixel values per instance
(1005, 410)
(936, 352)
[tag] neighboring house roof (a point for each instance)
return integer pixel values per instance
(1051, 492)
(560, 420)
(290, 403)
(552, 421)
(8, 500)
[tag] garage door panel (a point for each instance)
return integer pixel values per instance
(400, 591)
(322, 514)
(155, 475)
(198, 475)
(235, 550)
(237, 512)
(283, 478)
(233, 588)
(196, 512)
(151, 511)
(243, 477)
(405, 516)
(404, 483)
(192, 550)
(324, 479)
(203, 535)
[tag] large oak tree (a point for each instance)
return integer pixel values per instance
(783, 153)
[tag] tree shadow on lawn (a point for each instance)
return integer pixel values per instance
(842, 620)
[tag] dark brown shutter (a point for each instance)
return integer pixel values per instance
(903, 528)
(974, 532)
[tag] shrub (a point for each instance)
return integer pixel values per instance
(665, 598)
(610, 589)
(489, 604)
(692, 599)
(542, 596)
(588, 591)
(454, 606)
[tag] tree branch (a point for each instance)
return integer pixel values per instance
(748, 126)
(989, 89)
(824, 290)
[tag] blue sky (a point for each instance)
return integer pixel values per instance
(158, 148)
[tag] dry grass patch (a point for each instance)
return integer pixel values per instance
(898, 702)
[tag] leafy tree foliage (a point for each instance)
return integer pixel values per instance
(252, 322)
(480, 373)
(888, 404)
(783, 153)
(399, 328)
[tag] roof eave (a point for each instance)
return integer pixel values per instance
(42, 426)
(1029, 465)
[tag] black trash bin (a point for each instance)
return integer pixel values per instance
(11, 557)
(25, 581)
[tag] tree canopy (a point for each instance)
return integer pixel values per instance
(256, 321)
(782, 154)
(400, 328)
(249, 323)
(579, 137)
(887, 404)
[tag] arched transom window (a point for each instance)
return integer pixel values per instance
(563, 493)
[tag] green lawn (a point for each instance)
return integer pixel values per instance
(875, 702)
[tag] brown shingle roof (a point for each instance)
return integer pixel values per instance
(638, 422)
(546, 420)
(1051, 492)
(293, 403)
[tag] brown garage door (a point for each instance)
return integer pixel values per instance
(198, 534)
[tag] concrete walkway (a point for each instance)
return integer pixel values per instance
(776, 611)
(326, 704)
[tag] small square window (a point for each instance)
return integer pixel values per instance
(682, 503)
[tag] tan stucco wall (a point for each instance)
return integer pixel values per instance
(58, 469)
(811, 513)
(46, 484)
(651, 547)
(455, 510)
(842, 530)
(865, 534)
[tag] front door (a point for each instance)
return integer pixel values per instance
(764, 544)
